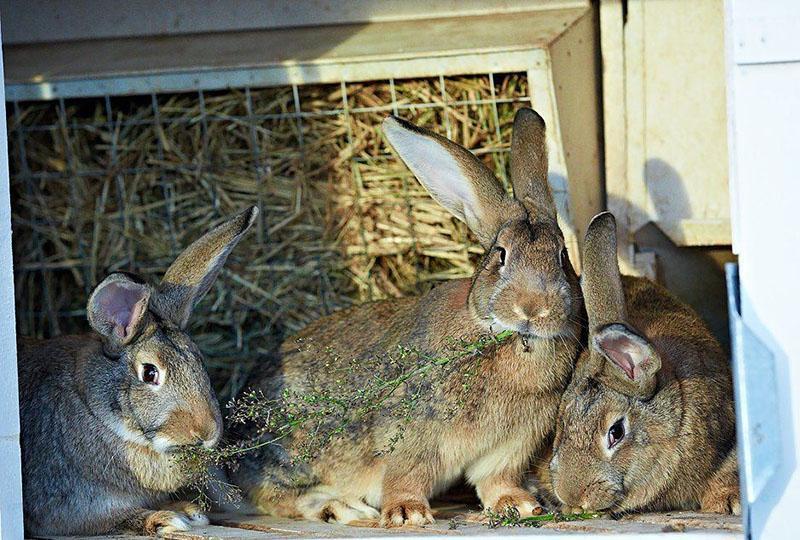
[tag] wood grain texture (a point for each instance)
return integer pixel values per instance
(289, 46)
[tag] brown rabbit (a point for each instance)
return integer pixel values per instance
(102, 413)
(525, 283)
(647, 422)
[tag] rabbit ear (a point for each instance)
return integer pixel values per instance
(601, 282)
(529, 166)
(454, 177)
(631, 359)
(117, 307)
(190, 277)
(627, 361)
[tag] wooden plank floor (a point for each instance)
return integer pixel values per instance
(452, 520)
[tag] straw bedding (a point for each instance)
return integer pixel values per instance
(124, 183)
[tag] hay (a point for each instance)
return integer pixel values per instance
(124, 183)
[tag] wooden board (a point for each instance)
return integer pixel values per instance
(665, 122)
(37, 21)
(285, 47)
(453, 521)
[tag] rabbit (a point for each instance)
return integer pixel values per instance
(525, 283)
(647, 422)
(101, 414)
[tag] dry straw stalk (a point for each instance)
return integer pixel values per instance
(124, 183)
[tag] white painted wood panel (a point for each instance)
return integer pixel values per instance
(764, 112)
(685, 169)
(766, 34)
(10, 473)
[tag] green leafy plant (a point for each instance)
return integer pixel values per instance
(323, 412)
(510, 517)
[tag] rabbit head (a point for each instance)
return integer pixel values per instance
(154, 383)
(525, 281)
(604, 452)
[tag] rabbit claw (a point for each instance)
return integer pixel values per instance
(408, 512)
(525, 504)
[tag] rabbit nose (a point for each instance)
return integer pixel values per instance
(206, 438)
(531, 313)
(566, 493)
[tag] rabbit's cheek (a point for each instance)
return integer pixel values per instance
(129, 432)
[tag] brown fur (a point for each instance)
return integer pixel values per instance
(508, 413)
(96, 437)
(158, 522)
(411, 511)
(677, 403)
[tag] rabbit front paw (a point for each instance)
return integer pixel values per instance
(324, 503)
(166, 521)
(191, 511)
(406, 512)
(520, 500)
(347, 511)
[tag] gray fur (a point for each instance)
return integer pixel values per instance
(97, 440)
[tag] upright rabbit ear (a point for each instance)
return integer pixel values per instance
(454, 177)
(117, 308)
(529, 166)
(601, 282)
(190, 277)
(627, 361)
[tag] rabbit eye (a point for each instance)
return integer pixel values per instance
(502, 253)
(148, 373)
(563, 256)
(616, 433)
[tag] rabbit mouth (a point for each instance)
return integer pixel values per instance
(165, 445)
(530, 329)
(161, 444)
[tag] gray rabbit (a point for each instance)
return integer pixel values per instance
(102, 413)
